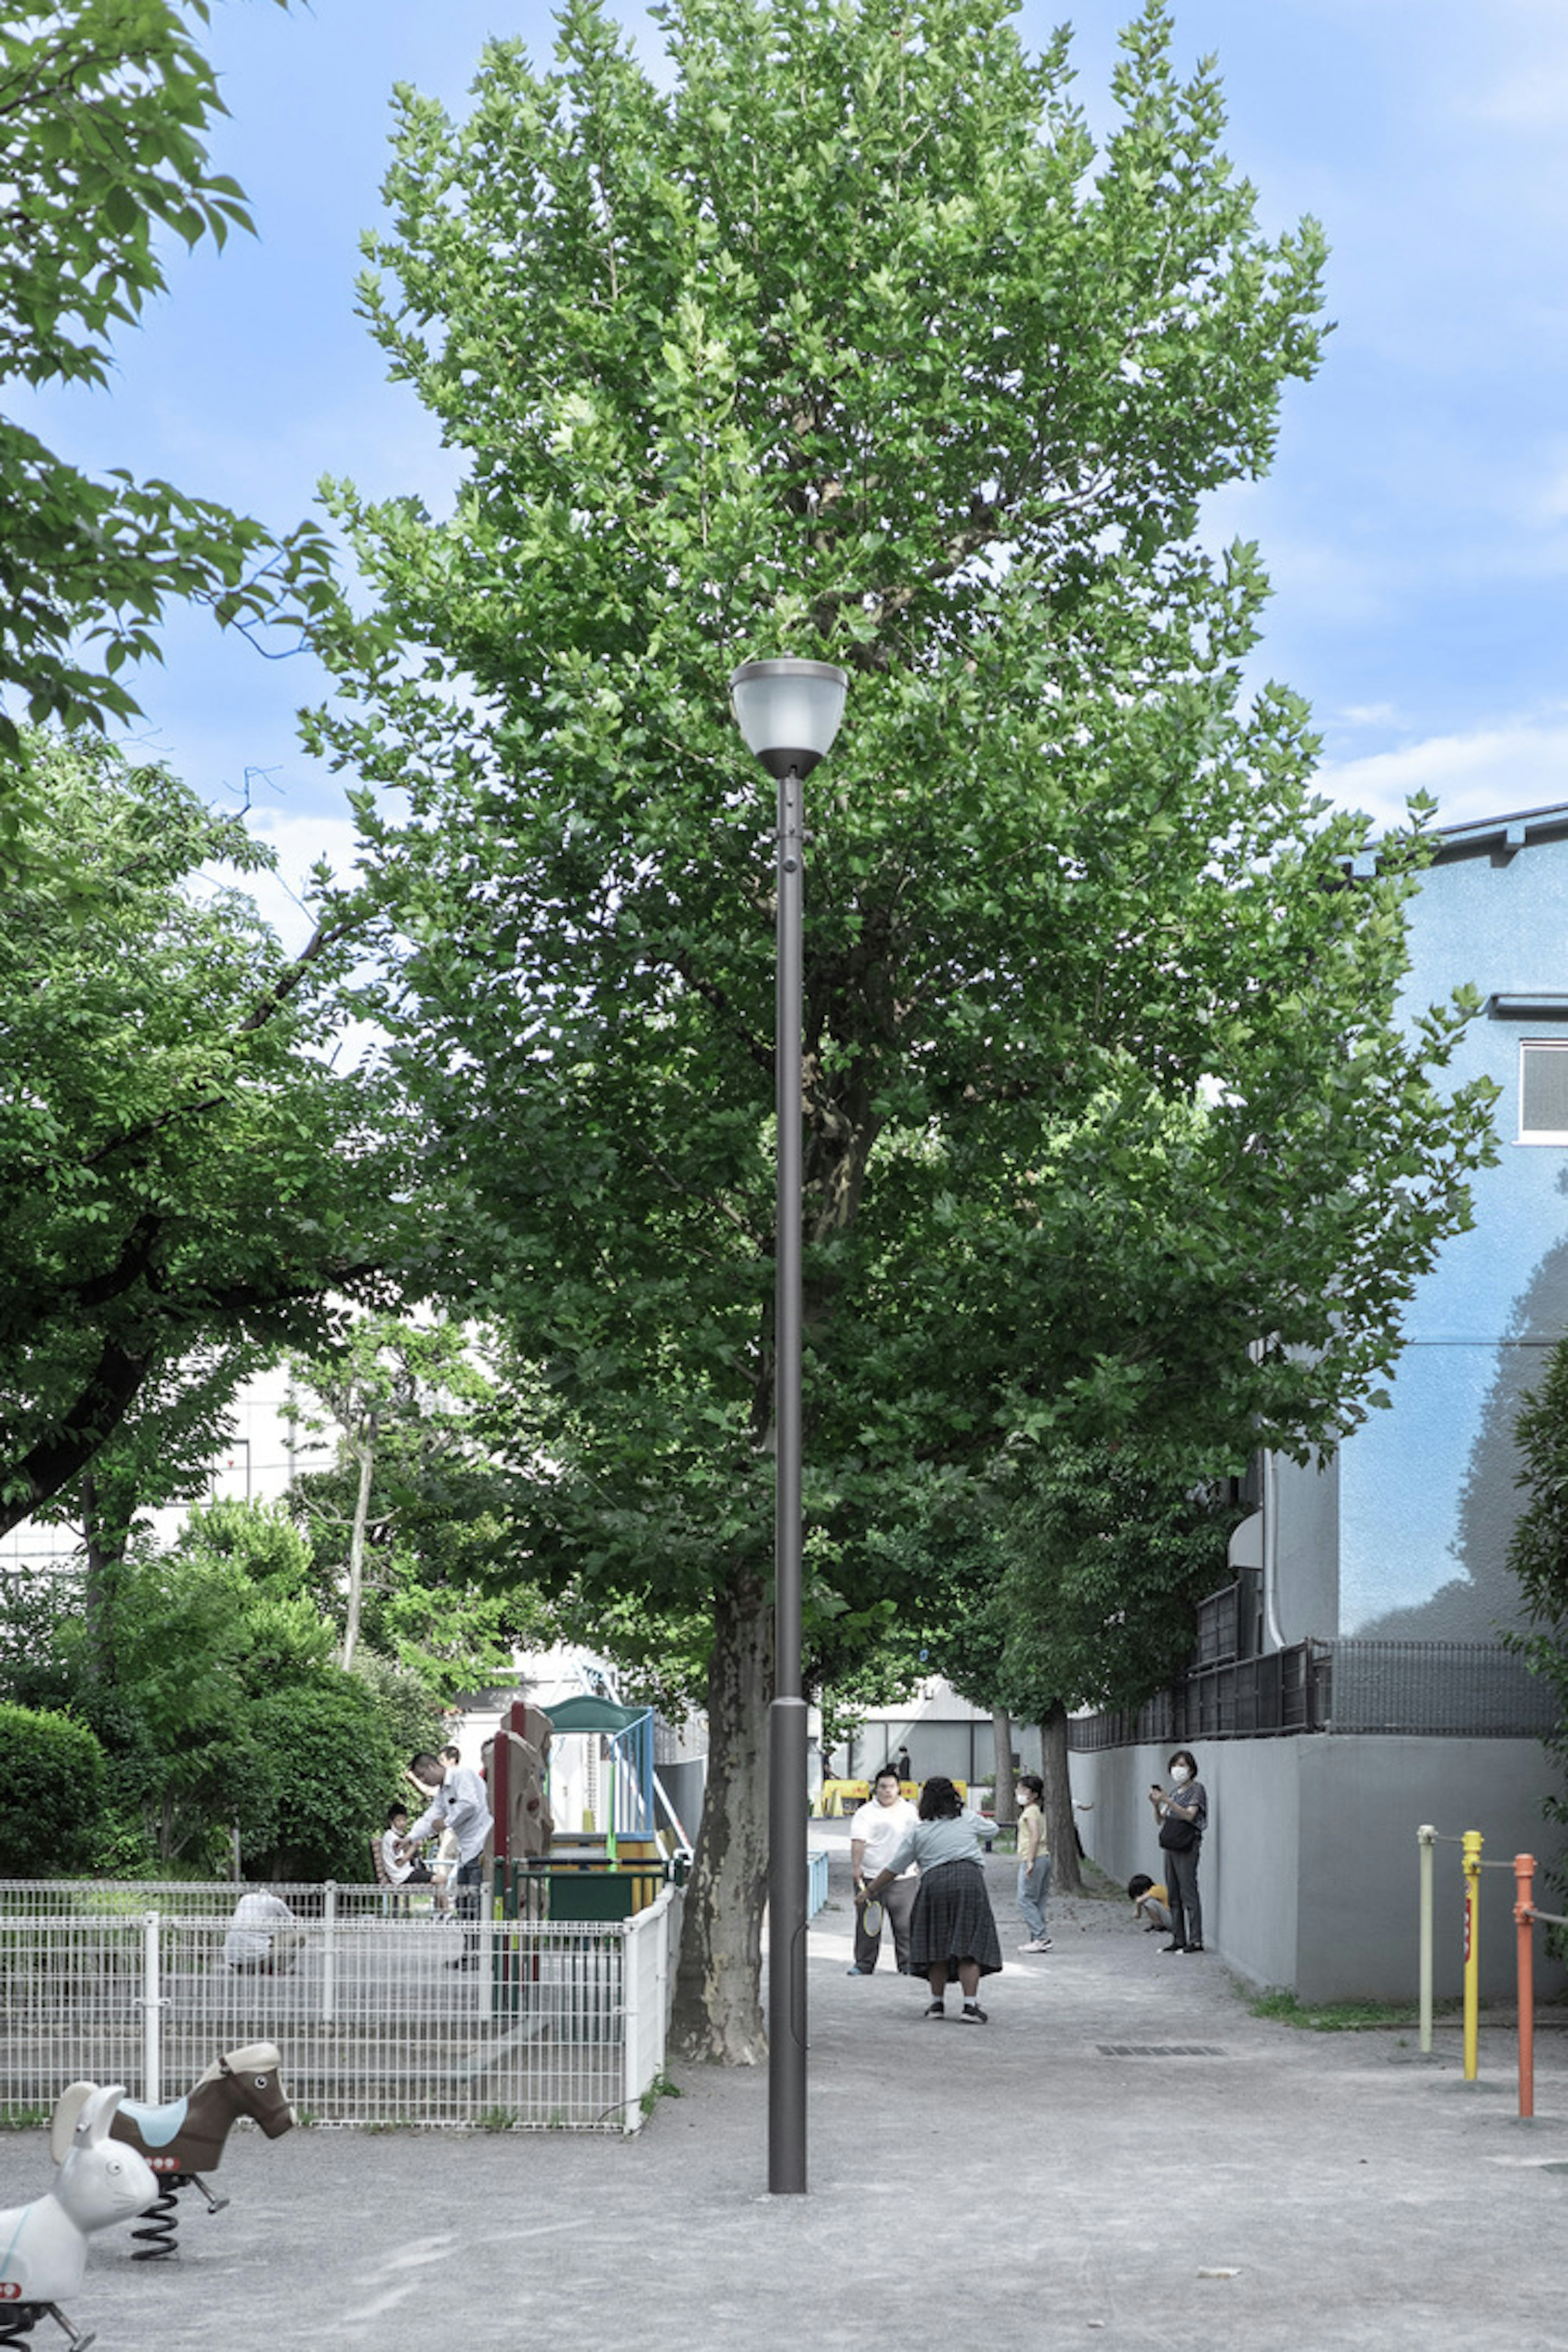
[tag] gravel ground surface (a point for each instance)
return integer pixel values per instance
(1122, 2156)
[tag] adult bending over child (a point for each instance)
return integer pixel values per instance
(953, 1933)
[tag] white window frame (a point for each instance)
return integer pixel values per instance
(1531, 1135)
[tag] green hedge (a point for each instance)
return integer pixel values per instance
(51, 1794)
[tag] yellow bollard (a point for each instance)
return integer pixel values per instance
(1427, 1838)
(1472, 1867)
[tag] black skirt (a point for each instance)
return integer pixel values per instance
(952, 1921)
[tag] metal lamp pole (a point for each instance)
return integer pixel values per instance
(788, 713)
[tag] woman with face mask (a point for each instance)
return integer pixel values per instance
(1183, 1813)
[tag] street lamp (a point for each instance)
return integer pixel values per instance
(788, 713)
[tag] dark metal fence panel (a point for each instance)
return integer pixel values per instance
(1465, 1690)
(1218, 1626)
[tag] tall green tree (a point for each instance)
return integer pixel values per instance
(413, 1521)
(187, 1176)
(227, 1715)
(1100, 1559)
(841, 339)
(105, 106)
(1538, 1553)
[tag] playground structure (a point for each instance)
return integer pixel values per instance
(43, 2246)
(576, 1836)
(186, 2138)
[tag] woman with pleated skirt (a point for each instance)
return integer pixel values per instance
(952, 1930)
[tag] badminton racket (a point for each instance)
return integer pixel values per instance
(871, 1920)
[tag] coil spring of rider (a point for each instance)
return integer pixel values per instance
(157, 2241)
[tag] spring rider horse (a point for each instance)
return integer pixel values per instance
(185, 2137)
(43, 2246)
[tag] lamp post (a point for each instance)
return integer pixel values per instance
(788, 713)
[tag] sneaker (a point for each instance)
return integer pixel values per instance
(1172, 1948)
(857, 1972)
(974, 2015)
(936, 2009)
(1040, 1944)
(1192, 1947)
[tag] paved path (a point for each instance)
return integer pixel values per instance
(1059, 2178)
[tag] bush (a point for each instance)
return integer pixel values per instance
(52, 1794)
(340, 1772)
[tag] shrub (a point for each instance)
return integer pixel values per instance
(52, 1794)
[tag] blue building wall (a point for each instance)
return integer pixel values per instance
(1311, 1860)
(1425, 1490)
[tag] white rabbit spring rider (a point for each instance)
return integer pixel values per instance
(43, 2246)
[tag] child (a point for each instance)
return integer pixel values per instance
(1150, 1904)
(402, 1865)
(1033, 1861)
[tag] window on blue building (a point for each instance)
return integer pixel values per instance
(1543, 1090)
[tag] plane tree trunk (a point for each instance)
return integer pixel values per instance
(1061, 1823)
(1005, 1809)
(718, 2011)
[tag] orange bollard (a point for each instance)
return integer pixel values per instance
(1524, 1912)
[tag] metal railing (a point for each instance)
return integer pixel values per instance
(546, 2025)
(1247, 1698)
(1465, 1690)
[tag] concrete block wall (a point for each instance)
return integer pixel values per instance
(1309, 1876)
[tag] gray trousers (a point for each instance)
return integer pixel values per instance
(1182, 1887)
(898, 1902)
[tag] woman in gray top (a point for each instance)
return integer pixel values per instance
(1183, 1813)
(952, 1932)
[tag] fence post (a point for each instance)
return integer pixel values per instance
(1472, 1868)
(152, 2012)
(661, 1987)
(330, 1955)
(1427, 1838)
(1524, 1912)
(631, 2021)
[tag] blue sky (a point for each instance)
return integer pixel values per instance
(1415, 525)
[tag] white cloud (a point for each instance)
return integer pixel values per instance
(1492, 771)
(299, 841)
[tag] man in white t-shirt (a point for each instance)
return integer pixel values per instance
(457, 1803)
(877, 1830)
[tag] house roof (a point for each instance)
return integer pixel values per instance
(1505, 833)
(1499, 837)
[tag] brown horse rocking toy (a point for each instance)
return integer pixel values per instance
(185, 2138)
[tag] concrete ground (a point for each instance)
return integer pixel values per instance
(1123, 2157)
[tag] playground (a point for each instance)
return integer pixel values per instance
(538, 2001)
(1337, 2190)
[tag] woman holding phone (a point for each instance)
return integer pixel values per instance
(1183, 1813)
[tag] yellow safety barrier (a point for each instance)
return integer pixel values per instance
(1525, 1917)
(1472, 1868)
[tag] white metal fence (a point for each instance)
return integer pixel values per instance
(547, 2025)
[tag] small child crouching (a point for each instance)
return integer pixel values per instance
(1150, 1904)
